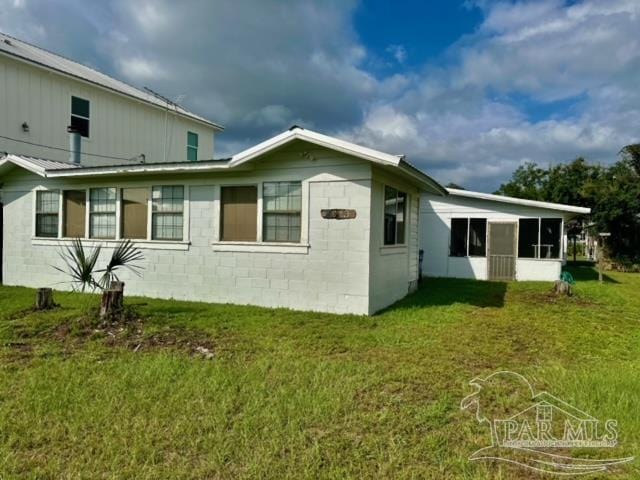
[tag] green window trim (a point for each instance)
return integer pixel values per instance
(192, 146)
(80, 115)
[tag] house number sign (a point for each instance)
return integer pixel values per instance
(338, 214)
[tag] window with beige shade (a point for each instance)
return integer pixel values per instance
(239, 213)
(134, 214)
(75, 211)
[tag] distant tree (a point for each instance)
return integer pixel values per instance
(612, 193)
(528, 182)
(631, 154)
(454, 185)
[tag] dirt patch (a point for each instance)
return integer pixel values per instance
(134, 333)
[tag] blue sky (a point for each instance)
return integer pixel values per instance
(468, 90)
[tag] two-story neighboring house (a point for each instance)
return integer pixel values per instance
(42, 94)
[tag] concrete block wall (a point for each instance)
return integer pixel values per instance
(331, 275)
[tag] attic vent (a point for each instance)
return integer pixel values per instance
(7, 41)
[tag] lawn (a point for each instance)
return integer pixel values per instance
(305, 395)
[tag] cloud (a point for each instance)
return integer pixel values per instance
(398, 52)
(543, 80)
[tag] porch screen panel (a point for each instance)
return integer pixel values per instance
(458, 244)
(135, 202)
(75, 209)
(550, 237)
(478, 237)
(239, 214)
(528, 238)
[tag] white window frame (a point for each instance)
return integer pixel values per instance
(486, 235)
(537, 247)
(147, 243)
(407, 212)
(260, 245)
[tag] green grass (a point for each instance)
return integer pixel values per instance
(306, 395)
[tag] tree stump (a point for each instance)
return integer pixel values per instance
(44, 299)
(112, 304)
(563, 288)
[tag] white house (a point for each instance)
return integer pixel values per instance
(491, 237)
(301, 220)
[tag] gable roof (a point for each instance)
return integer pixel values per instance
(30, 53)
(517, 201)
(396, 162)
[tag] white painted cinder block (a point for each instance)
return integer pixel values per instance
(342, 270)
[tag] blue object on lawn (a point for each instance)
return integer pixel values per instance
(567, 277)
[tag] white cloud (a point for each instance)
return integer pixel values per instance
(259, 66)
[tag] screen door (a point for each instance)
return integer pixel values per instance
(502, 251)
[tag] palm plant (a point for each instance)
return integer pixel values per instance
(81, 264)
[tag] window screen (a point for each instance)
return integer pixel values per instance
(102, 212)
(192, 146)
(167, 215)
(459, 233)
(80, 115)
(239, 214)
(134, 212)
(550, 237)
(75, 208)
(478, 237)
(47, 207)
(395, 210)
(282, 206)
(528, 238)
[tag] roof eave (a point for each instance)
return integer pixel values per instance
(520, 201)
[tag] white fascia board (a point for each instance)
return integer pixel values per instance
(317, 139)
(101, 171)
(518, 201)
(21, 162)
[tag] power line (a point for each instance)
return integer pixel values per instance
(129, 159)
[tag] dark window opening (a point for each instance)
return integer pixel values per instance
(80, 115)
(459, 234)
(478, 237)
(550, 237)
(528, 238)
(395, 211)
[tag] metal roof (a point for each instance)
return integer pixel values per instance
(44, 58)
(385, 160)
(518, 201)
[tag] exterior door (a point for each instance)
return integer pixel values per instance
(502, 251)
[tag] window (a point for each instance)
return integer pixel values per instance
(459, 235)
(395, 208)
(80, 115)
(550, 237)
(75, 208)
(477, 237)
(134, 212)
(47, 207)
(539, 238)
(468, 237)
(192, 146)
(167, 213)
(102, 213)
(239, 214)
(282, 206)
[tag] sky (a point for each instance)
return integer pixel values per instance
(467, 90)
